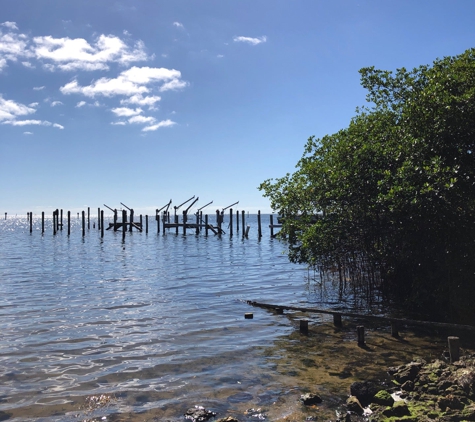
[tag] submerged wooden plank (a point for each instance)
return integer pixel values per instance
(363, 316)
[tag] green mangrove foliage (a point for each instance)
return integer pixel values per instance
(395, 190)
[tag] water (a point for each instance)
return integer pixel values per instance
(157, 320)
(156, 324)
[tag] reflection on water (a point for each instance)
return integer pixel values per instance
(156, 321)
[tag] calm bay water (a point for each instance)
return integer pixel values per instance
(157, 320)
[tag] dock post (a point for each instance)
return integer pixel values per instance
(54, 222)
(99, 225)
(5, 216)
(31, 222)
(394, 329)
(360, 332)
(131, 219)
(69, 223)
(42, 222)
(259, 228)
(124, 223)
(61, 221)
(454, 349)
(115, 220)
(337, 320)
(206, 225)
(102, 223)
(176, 224)
(197, 222)
(304, 326)
(218, 221)
(88, 218)
(231, 222)
(243, 219)
(184, 223)
(146, 224)
(237, 221)
(83, 223)
(164, 221)
(271, 226)
(141, 221)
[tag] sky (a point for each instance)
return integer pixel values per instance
(143, 101)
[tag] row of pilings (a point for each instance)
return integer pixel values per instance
(197, 223)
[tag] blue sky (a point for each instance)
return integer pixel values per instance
(145, 101)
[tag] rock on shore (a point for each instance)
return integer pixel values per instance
(435, 391)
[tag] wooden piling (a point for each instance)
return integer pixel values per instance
(88, 218)
(337, 320)
(184, 223)
(237, 221)
(176, 223)
(124, 223)
(259, 228)
(61, 221)
(83, 223)
(243, 219)
(360, 333)
(31, 222)
(99, 225)
(271, 226)
(164, 221)
(5, 216)
(394, 329)
(102, 223)
(42, 222)
(131, 220)
(206, 225)
(248, 315)
(454, 348)
(198, 222)
(141, 221)
(304, 326)
(218, 221)
(54, 223)
(231, 222)
(69, 223)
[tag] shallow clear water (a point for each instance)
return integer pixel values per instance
(152, 319)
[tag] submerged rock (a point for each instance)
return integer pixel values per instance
(310, 399)
(199, 414)
(364, 391)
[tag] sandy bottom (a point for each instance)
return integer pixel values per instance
(325, 361)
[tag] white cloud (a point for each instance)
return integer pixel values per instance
(11, 25)
(219, 56)
(12, 46)
(80, 104)
(118, 123)
(38, 88)
(28, 65)
(77, 54)
(57, 125)
(139, 99)
(27, 122)
(173, 85)
(249, 40)
(129, 83)
(56, 103)
(10, 110)
(27, 133)
(178, 25)
(142, 119)
(126, 112)
(163, 123)
(33, 105)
